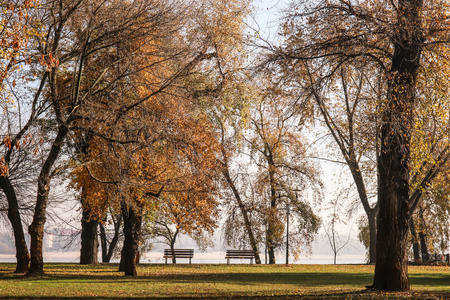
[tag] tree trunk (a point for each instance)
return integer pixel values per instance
(414, 240)
(391, 263)
(172, 249)
(372, 217)
(423, 246)
(22, 255)
(422, 237)
(270, 234)
(172, 245)
(391, 268)
(89, 239)
(132, 221)
(273, 207)
(122, 259)
(36, 228)
(103, 243)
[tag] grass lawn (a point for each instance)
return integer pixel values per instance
(70, 281)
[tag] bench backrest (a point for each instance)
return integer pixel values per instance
(179, 252)
(240, 253)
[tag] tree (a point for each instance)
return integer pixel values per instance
(15, 34)
(392, 37)
(89, 224)
(222, 88)
(283, 171)
(108, 250)
(168, 141)
(334, 240)
(63, 50)
(352, 122)
(180, 214)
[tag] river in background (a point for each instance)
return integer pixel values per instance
(199, 258)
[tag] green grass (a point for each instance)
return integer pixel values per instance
(71, 281)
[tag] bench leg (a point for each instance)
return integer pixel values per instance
(251, 261)
(228, 261)
(166, 260)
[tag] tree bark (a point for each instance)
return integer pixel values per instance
(273, 206)
(391, 268)
(423, 246)
(89, 239)
(391, 264)
(132, 222)
(172, 245)
(36, 228)
(422, 237)
(414, 240)
(372, 217)
(103, 243)
(22, 254)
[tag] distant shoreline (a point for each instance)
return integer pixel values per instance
(199, 257)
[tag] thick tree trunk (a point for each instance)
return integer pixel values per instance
(391, 268)
(391, 264)
(22, 255)
(122, 260)
(132, 222)
(89, 239)
(36, 228)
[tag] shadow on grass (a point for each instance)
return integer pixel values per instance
(437, 279)
(363, 294)
(306, 281)
(290, 278)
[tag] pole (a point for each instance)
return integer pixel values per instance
(287, 233)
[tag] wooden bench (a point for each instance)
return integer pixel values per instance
(436, 258)
(240, 254)
(179, 253)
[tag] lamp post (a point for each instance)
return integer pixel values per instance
(287, 232)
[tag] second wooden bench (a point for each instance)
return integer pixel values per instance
(240, 254)
(178, 253)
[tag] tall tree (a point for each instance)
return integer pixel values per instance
(15, 35)
(349, 112)
(392, 37)
(284, 171)
(63, 49)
